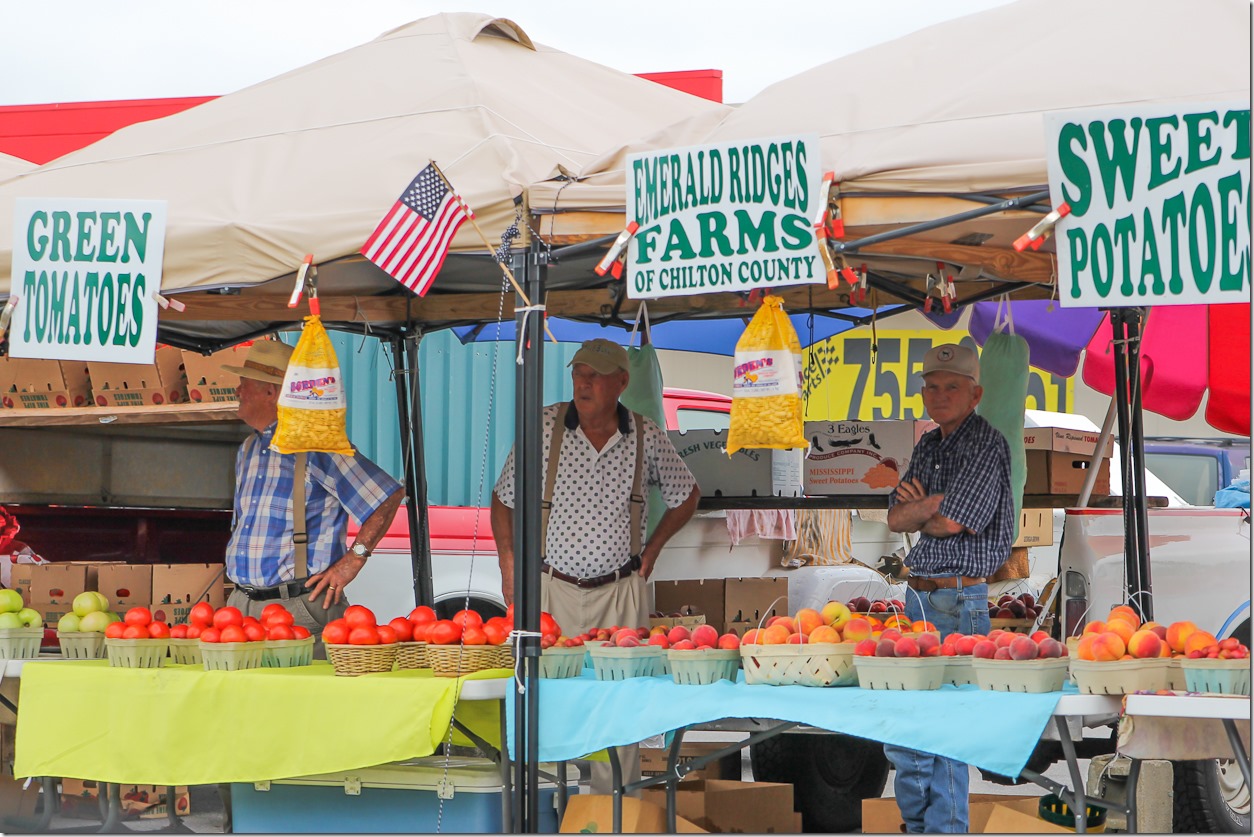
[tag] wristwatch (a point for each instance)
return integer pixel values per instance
(360, 550)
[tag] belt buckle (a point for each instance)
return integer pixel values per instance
(583, 582)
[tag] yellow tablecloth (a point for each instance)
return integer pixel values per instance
(181, 725)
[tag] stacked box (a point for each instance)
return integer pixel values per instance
(177, 587)
(140, 384)
(653, 761)
(32, 384)
(125, 585)
(207, 381)
(50, 588)
(859, 457)
(80, 798)
(729, 604)
(1058, 459)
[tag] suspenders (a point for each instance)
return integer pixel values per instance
(550, 480)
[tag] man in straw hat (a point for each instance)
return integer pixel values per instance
(956, 496)
(595, 556)
(262, 557)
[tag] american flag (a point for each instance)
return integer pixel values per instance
(412, 240)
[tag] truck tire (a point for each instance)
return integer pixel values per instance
(485, 608)
(830, 773)
(1211, 797)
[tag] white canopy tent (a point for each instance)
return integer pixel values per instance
(11, 166)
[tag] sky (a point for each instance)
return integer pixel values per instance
(94, 50)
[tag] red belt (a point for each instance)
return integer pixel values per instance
(597, 581)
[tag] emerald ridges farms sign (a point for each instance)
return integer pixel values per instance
(85, 271)
(1160, 204)
(725, 217)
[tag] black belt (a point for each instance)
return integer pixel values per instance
(287, 590)
(596, 581)
(925, 584)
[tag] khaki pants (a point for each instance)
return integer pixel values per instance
(624, 603)
(307, 614)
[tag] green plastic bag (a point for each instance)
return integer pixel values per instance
(1004, 377)
(644, 396)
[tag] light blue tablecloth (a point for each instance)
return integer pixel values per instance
(993, 730)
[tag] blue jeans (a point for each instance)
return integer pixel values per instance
(932, 790)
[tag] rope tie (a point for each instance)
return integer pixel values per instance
(517, 635)
(526, 311)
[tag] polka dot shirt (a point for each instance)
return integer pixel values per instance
(590, 523)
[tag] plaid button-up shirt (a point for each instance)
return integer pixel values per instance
(971, 467)
(260, 552)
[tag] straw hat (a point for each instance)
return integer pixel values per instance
(266, 361)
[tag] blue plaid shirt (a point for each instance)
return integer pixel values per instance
(971, 467)
(260, 552)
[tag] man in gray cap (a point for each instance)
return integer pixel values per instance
(956, 496)
(595, 559)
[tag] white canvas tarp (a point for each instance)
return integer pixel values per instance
(310, 161)
(11, 166)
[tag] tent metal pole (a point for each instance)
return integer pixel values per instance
(409, 402)
(1001, 206)
(536, 268)
(1143, 594)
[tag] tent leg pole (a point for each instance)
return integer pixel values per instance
(1143, 594)
(409, 413)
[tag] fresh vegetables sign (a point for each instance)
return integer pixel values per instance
(726, 217)
(84, 272)
(1160, 204)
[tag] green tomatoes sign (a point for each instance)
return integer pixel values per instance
(1160, 204)
(726, 217)
(85, 271)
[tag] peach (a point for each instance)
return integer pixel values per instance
(1159, 630)
(1002, 654)
(1145, 644)
(798, 639)
(996, 632)
(1123, 627)
(948, 651)
(657, 629)
(751, 637)
(623, 633)
(890, 633)
(928, 642)
(684, 645)
(922, 626)
(966, 645)
(1095, 627)
(1109, 646)
(866, 648)
(1050, 647)
(897, 621)
(905, 647)
(825, 633)
(627, 640)
(886, 648)
(1039, 636)
(1005, 639)
(775, 635)
(1178, 633)
(786, 621)
(677, 633)
(1024, 648)
(705, 636)
(1084, 649)
(642, 633)
(836, 614)
(857, 629)
(659, 639)
(1200, 640)
(1125, 612)
(729, 641)
(985, 649)
(807, 619)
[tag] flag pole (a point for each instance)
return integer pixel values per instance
(509, 274)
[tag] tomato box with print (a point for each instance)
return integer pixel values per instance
(31, 384)
(859, 457)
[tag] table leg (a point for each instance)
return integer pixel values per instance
(51, 802)
(1134, 775)
(563, 792)
(507, 783)
(672, 779)
(114, 817)
(616, 780)
(1077, 780)
(1243, 761)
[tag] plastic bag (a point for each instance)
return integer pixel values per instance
(766, 407)
(644, 396)
(313, 406)
(1004, 377)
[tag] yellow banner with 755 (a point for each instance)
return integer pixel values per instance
(850, 376)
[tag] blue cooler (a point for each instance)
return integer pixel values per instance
(398, 798)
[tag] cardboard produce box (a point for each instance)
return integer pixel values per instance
(990, 813)
(1058, 458)
(859, 457)
(31, 384)
(138, 384)
(1036, 528)
(748, 602)
(79, 798)
(725, 806)
(207, 381)
(125, 585)
(594, 814)
(177, 587)
(653, 761)
(56, 582)
(704, 596)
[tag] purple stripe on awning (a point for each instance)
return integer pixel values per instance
(1056, 336)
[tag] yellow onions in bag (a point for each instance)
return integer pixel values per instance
(312, 404)
(766, 407)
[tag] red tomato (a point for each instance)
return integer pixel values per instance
(445, 632)
(138, 616)
(468, 619)
(201, 615)
(359, 616)
(387, 635)
(336, 632)
(134, 631)
(224, 616)
(496, 634)
(178, 632)
(300, 632)
(422, 614)
(233, 633)
(278, 617)
(271, 609)
(280, 632)
(250, 620)
(500, 621)
(474, 636)
(115, 629)
(194, 631)
(548, 625)
(254, 632)
(210, 635)
(158, 630)
(422, 631)
(404, 629)
(363, 636)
